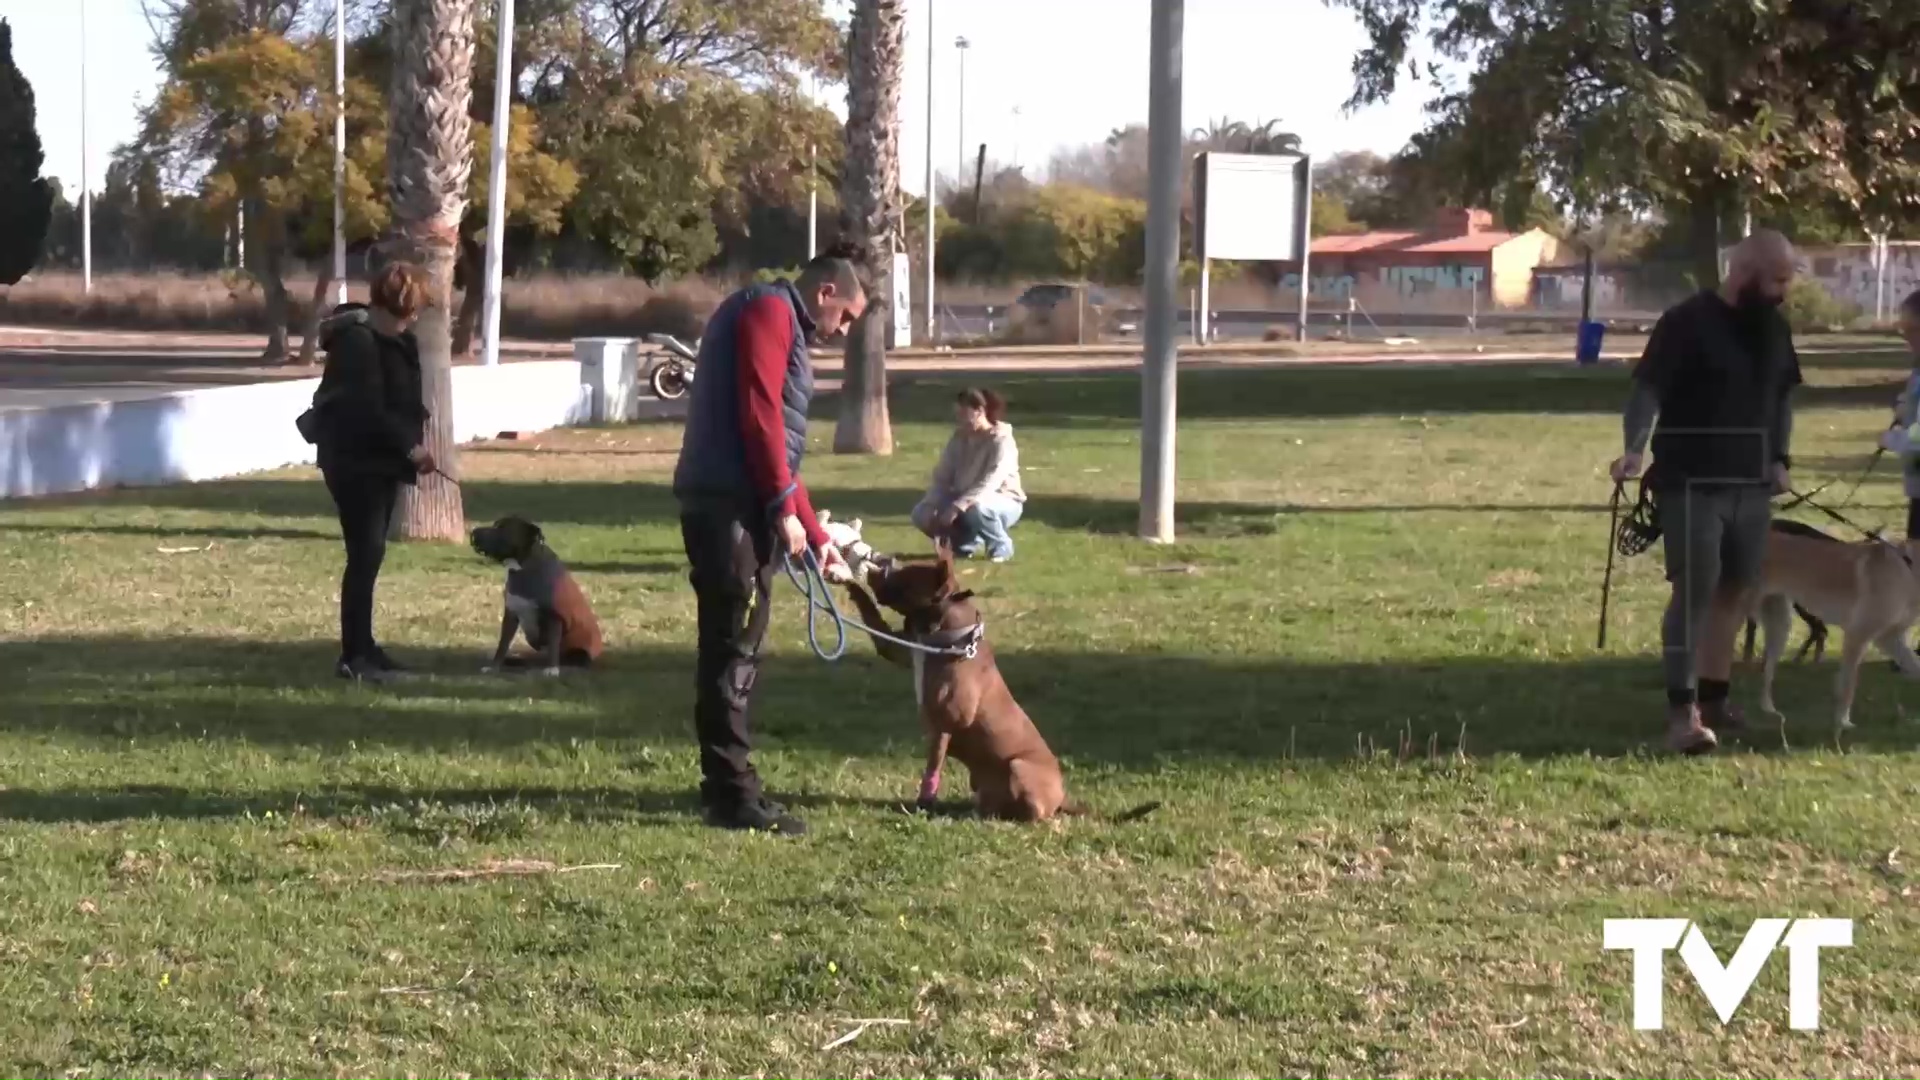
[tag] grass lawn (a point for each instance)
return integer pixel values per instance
(1402, 789)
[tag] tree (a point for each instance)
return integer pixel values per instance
(870, 212)
(1605, 105)
(429, 167)
(240, 108)
(26, 199)
(1240, 137)
(682, 112)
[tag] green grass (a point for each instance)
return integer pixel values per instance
(1402, 789)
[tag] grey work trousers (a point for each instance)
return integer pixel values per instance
(1715, 537)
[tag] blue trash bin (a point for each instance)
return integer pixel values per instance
(1587, 345)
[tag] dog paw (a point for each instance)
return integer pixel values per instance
(551, 673)
(1843, 724)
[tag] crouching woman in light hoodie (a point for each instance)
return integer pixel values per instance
(975, 497)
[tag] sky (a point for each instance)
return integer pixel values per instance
(1040, 75)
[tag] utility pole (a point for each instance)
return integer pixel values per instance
(962, 44)
(1159, 373)
(497, 180)
(340, 151)
(933, 320)
(86, 179)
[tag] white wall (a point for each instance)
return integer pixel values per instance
(214, 432)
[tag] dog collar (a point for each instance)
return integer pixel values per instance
(962, 642)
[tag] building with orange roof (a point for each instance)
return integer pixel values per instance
(1460, 260)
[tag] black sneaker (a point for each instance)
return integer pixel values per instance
(759, 815)
(361, 671)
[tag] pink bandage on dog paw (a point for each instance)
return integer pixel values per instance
(929, 787)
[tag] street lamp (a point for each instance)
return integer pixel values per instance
(962, 44)
(340, 151)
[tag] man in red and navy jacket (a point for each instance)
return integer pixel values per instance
(742, 505)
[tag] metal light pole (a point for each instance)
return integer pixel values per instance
(813, 185)
(933, 320)
(963, 45)
(497, 179)
(340, 151)
(1158, 377)
(86, 180)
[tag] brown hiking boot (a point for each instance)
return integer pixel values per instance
(1723, 718)
(1686, 734)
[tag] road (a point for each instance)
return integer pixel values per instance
(1323, 323)
(46, 367)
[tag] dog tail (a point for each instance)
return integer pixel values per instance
(1073, 809)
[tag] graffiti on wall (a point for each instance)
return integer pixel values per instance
(1563, 288)
(1326, 285)
(1404, 281)
(1847, 272)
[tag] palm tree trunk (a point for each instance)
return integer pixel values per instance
(871, 213)
(429, 161)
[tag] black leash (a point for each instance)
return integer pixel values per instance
(1875, 535)
(1613, 543)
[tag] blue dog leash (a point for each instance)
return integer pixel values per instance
(805, 578)
(812, 584)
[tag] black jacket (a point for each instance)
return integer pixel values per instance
(370, 402)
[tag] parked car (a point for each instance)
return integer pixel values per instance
(1054, 313)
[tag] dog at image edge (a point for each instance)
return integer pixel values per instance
(541, 599)
(965, 704)
(1868, 589)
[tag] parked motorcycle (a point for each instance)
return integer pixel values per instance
(672, 376)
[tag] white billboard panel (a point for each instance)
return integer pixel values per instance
(1252, 207)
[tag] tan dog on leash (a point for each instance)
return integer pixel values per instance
(1868, 589)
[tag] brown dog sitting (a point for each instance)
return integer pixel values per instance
(541, 599)
(964, 703)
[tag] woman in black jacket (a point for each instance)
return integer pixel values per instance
(372, 421)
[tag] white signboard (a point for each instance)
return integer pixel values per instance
(902, 301)
(1252, 207)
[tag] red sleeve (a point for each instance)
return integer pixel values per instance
(810, 521)
(765, 341)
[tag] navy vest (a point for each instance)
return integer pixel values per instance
(712, 458)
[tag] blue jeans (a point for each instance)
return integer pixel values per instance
(986, 524)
